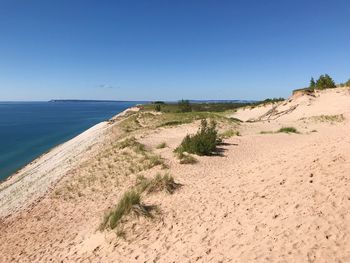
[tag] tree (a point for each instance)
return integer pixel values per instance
(325, 82)
(312, 83)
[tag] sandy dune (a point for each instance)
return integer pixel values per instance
(269, 198)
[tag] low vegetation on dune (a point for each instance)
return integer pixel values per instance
(282, 130)
(157, 184)
(328, 118)
(131, 201)
(161, 145)
(186, 158)
(228, 134)
(204, 142)
(288, 130)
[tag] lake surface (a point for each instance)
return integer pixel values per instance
(29, 129)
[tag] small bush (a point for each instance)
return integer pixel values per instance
(130, 201)
(161, 145)
(288, 130)
(204, 142)
(157, 107)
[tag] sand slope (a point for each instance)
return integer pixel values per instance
(268, 198)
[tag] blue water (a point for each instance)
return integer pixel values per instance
(29, 129)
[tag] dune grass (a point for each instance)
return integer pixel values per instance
(161, 145)
(130, 202)
(228, 134)
(157, 184)
(288, 130)
(186, 158)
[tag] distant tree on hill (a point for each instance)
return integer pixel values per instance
(347, 83)
(325, 82)
(312, 83)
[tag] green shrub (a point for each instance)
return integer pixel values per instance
(157, 107)
(288, 130)
(325, 82)
(204, 142)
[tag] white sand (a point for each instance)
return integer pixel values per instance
(269, 198)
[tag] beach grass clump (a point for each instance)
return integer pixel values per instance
(266, 132)
(186, 158)
(228, 134)
(329, 118)
(161, 145)
(288, 130)
(131, 142)
(204, 142)
(130, 202)
(157, 184)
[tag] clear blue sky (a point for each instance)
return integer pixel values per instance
(168, 50)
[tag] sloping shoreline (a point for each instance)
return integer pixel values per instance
(33, 180)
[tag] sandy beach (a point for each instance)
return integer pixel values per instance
(268, 197)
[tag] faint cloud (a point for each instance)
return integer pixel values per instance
(105, 86)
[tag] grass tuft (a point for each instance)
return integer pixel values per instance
(228, 134)
(130, 202)
(186, 158)
(157, 184)
(161, 145)
(288, 130)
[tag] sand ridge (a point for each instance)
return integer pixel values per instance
(268, 198)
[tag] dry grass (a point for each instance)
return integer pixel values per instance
(157, 184)
(186, 158)
(130, 202)
(161, 145)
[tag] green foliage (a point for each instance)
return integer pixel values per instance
(184, 106)
(124, 207)
(347, 84)
(312, 83)
(157, 107)
(288, 130)
(204, 142)
(325, 82)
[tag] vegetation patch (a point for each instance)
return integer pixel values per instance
(157, 184)
(204, 142)
(130, 202)
(161, 145)
(288, 130)
(329, 118)
(186, 158)
(228, 134)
